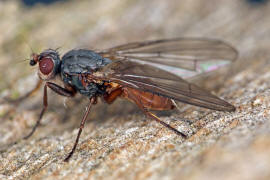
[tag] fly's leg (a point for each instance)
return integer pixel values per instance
(59, 90)
(92, 101)
(154, 117)
(137, 98)
(30, 93)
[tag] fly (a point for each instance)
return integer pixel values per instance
(130, 71)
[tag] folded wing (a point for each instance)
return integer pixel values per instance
(151, 79)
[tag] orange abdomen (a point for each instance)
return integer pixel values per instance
(147, 100)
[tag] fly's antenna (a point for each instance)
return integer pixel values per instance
(22, 61)
(26, 59)
(30, 48)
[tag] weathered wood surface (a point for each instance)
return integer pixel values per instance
(118, 142)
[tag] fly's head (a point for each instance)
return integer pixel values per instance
(48, 62)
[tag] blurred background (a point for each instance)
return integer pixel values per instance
(28, 26)
(38, 25)
(32, 25)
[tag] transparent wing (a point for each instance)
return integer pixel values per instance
(148, 78)
(192, 55)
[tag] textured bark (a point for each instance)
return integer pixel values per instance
(118, 142)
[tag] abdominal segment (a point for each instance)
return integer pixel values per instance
(147, 100)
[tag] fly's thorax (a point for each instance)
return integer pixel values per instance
(79, 64)
(82, 61)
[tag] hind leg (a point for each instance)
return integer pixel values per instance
(147, 101)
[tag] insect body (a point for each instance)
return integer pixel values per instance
(76, 65)
(129, 71)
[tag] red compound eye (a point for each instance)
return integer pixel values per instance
(46, 65)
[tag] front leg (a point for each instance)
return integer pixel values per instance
(27, 95)
(67, 92)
